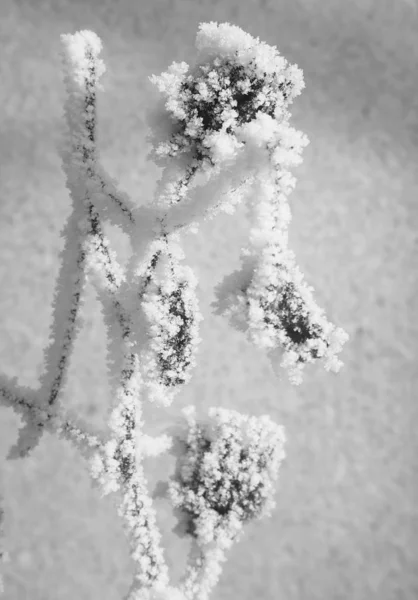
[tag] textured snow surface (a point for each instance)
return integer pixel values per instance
(346, 522)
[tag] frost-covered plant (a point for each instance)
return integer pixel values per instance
(224, 120)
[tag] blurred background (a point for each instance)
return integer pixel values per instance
(346, 522)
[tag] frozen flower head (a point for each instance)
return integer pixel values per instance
(235, 77)
(228, 472)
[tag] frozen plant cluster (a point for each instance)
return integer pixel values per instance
(223, 120)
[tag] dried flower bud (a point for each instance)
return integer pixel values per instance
(170, 319)
(227, 474)
(276, 308)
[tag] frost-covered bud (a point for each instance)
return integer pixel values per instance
(228, 472)
(169, 318)
(235, 77)
(169, 308)
(275, 306)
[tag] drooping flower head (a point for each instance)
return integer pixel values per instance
(270, 302)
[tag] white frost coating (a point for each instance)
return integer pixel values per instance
(229, 41)
(226, 40)
(75, 56)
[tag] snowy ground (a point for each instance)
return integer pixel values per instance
(346, 523)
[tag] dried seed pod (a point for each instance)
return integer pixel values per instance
(170, 309)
